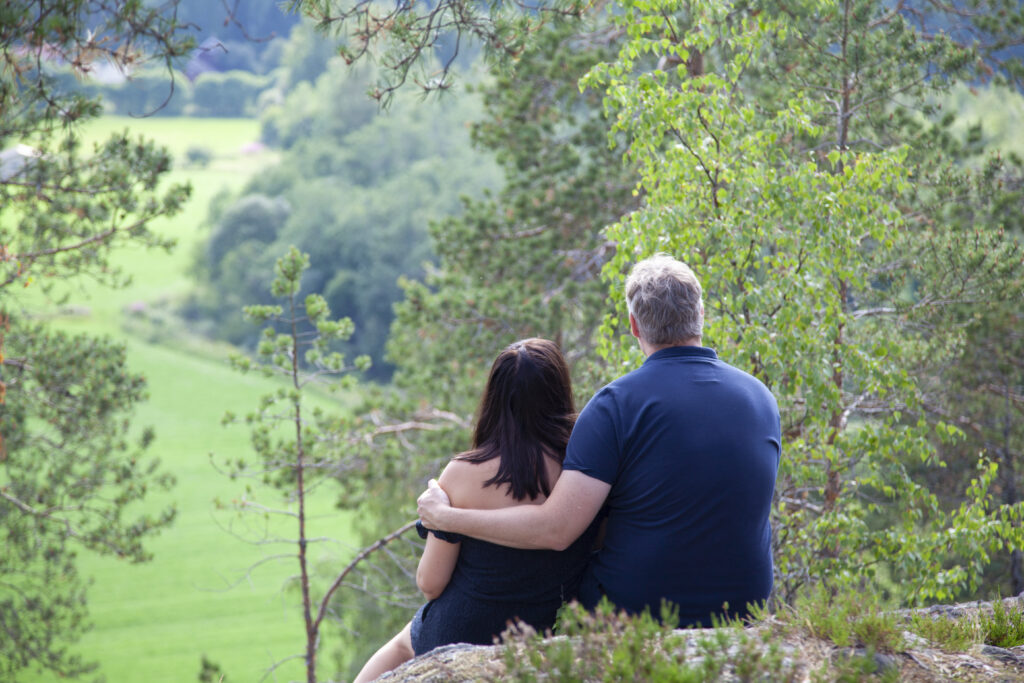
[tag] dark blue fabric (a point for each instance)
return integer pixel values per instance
(690, 446)
(443, 535)
(493, 584)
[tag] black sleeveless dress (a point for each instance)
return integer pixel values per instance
(492, 585)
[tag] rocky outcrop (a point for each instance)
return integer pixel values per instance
(803, 657)
(459, 662)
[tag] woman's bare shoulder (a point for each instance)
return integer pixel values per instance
(465, 475)
(463, 481)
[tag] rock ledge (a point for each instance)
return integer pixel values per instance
(807, 658)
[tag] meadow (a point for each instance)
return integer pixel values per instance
(196, 597)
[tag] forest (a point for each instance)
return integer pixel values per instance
(256, 259)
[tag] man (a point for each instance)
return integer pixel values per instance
(681, 453)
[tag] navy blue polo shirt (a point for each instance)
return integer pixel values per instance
(690, 446)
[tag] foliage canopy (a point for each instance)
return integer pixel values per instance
(772, 163)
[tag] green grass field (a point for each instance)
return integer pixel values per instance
(154, 621)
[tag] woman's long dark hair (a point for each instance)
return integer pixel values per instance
(526, 414)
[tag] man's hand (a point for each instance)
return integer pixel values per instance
(431, 506)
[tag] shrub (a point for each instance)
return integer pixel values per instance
(951, 635)
(849, 619)
(231, 93)
(855, 668)
(607, 646)
(148, 91)
(1005, 628)
(198, 155)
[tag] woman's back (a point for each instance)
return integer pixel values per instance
(496, 572)
(492, 584)
(464, 481)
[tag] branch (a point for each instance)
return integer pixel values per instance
(806, 505)
(230, 18)
(248, 572)
(266, 509)
(869, 312)
(960, 420)
(700, 162)
(523, 234)
(415, 424)
(363, 554)
(26, 259)
(1005, 393)
(886, 18)
(276, 664)
(66, 523)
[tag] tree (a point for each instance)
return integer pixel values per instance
(298, 448)
(980, 392)
(71, 469)
(770, 158)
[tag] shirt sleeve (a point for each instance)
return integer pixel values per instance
(443, 535)
(594, 447)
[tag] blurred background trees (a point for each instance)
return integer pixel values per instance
(357, 190)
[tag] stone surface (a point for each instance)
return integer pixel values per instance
(459, 662)
(806, 658)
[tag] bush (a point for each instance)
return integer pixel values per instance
(149, 92)
(849, 619)
(145, 92)
(231, 93)
(1005, 627)
(198, 155)
(607, 646)
(951, 635)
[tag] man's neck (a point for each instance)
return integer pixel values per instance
(648, 349)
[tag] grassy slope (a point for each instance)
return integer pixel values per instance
(154, 621)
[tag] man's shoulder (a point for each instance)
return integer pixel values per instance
(743, 377)
(750, 390)
(638, 381)
(615, 391)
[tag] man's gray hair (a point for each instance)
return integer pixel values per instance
(664, 296)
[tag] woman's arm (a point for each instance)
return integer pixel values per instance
(462, 481)
(436, 566)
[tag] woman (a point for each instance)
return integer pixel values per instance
(475, 588)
